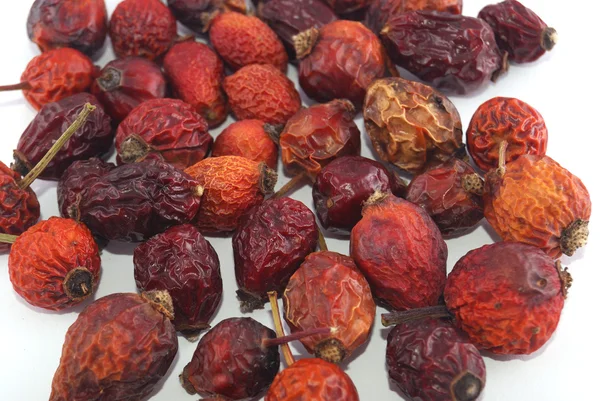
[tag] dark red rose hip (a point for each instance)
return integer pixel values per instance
(196, 14)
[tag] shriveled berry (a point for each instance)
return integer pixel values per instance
(252, 139)
(347, 6)
(196, 14)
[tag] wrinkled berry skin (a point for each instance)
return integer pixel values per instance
(458, 55)
(250, 139)
(93, 139)
(143, 28)
(400, 250)
(231, 361)
(182, 262)
(262, 92)
(410, 124)
(505, 119)
(432, 361)
(165, 128)
(131, 202)
(124, 84)
(507, 297)
(380, 11)
(269, 245)
(327, 382)
(82, 25)
(196, 73)
(344, 185)
(519, 31)
(451, 194)
(347, 6)
(195, 13)
(119, 347)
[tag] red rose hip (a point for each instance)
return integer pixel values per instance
(251, 139)
(380, 11)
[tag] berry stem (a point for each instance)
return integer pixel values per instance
(15, 87)
(502, 159)
(392, 318)
(272, 342)
(291, 184)
(322, 242)
(8, 239)
(287, 352)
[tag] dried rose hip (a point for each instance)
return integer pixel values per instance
(339, 61)
(453, 53)
(165, 128)
(131, 202)
(232, 185)
(451, 194)
(347, 6)
(195, 14)
(119, 347)
(125, 83)
(252, 139)
(55, 75)
(269, 244)
(519, 31)
(182, 262)
(410, 124)
(510, 120)
(144, 28)
(196, 73)
(432, 361)
(94, 138)
(81, 25)
(400, 250)
(344, 185)
(262, 92)
(380, 11)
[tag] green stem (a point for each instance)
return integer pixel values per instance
(8, 239)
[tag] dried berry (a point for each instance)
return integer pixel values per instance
(519, 31)
(118, 349)
(251, 139)
(232, 185)
(453, 53)
(451, 194)
(144, 28)
(55, 75)
(195, 14)
(344, 185)
(94, 138)
(431, 361)
(196, 73)
(262, 92)
(182, 262)
(510, 120)
(81, 25)
(269, 244)
(400, 250)
(123, 84)
(340, 61)
(131, 202)
(167, 129)
(347, 6)
(410, 124)
(243, 40)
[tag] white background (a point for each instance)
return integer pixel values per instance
(563, 86)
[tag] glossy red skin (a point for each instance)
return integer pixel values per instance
(262, 92)
(505, 119)
(344, 185)
(82, 25)
(182, 262)
(400, 250)
(196, 73)
(425, 358)
(195, 13)
(345, 60)
(124, 84)
(347, 6)
(118, 349)
(501, 294)
(231, 361)
(312, 379)
(269, 245)
(144, 28)
(93, 139)
(249, 139)
(131, 202)
(171, 128)
(459, 55)
(317, 135)
(41, 258)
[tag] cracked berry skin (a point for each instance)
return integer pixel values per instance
(344, 185)
(249, 139)
(194, 14)
(230, 360)
(182, 262)
(312, 379)
(507, 297)
(400, 250)
(430, 360)
(269, 245)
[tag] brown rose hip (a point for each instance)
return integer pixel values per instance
(252, 139)
(196, 14)
(381, 10)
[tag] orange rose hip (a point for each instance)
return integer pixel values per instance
(251, 139)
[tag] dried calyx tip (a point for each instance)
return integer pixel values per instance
(502, 69)
(331, 350)
(565, 278)
(274, 131)
(78, 283)
(305, 41)
(376, 198)
(110, 79)
(207, 19)
(472, 183)
(268, 179)
(466, 387)
(161, 301)
(198, 191)
(133, 149)
(549, 38)
(573, 237)
(248, 302)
